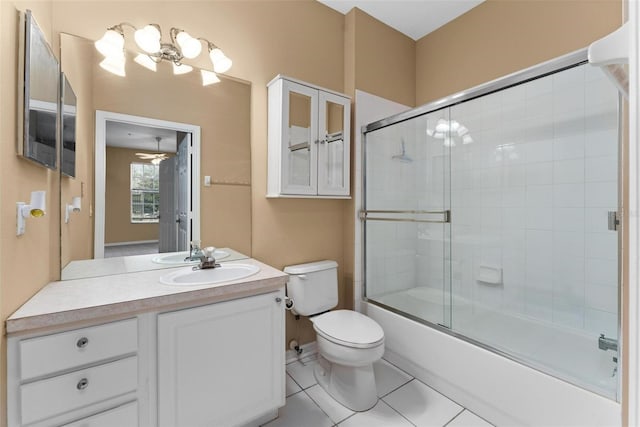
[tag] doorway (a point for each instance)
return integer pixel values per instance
(146, 198)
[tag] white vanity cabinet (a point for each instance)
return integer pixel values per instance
(86, 374)
(308, 140)
(221, 364)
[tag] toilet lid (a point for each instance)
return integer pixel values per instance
(349, 328)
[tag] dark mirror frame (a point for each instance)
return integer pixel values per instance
(38, 120)
(68, 109)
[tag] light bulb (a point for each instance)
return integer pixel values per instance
(181, 69)
(111, 43)
(208, 78)
(148, 39)
(146, 62)
(114, 64)
(189, 46)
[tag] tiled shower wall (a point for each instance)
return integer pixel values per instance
(529, 196)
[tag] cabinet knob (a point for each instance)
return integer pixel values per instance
(82, 384)
(82, 342)
(278, 300)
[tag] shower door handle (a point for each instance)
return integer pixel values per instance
(613, 220)
(404, 216)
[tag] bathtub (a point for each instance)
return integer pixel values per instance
(495, 387)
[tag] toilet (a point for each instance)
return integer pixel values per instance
(348, 342)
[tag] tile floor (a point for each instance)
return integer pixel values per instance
(133, 249)
(404, 401)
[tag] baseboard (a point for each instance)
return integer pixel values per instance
(135, 242)
(308, 349)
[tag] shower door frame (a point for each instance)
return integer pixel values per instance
(570, 60)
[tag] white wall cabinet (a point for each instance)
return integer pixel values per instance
(220, 364)
(309, 140)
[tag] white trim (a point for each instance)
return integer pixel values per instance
(633, 298)
(133, 242)
(100, 168)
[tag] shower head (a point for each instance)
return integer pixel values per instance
(402, 157)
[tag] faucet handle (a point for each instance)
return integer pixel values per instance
(208, 251)
(195, 244)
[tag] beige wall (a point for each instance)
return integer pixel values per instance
(30, 261)
(118, 227)
(500, 37)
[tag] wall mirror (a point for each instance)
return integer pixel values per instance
(38, 112)
(125, 126)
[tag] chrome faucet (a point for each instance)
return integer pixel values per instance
(607, 343)
(206, 259)
(195, 253)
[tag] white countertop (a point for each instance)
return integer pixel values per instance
(84, 268)
(71, 301)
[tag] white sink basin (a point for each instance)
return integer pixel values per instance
(210, 276)
(179, 258)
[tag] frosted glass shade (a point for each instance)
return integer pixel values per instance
(220, 62)
(181, 69)
(148, 39)
(189, 46)
(209, 78)
(114, 64)
(146, 62)
(111, 43)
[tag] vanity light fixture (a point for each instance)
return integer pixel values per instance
(149, 40)
(36, 208)
(75, 206)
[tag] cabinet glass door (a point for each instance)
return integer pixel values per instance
(333, 148)
(299, 156)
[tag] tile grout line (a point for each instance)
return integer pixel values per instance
(397, 388)
(321, 410)
(396, 411)
(456, 416)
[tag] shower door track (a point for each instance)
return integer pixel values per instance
(569, 60)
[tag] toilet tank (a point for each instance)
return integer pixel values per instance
(313, 287)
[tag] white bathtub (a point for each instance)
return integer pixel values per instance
(500, 390)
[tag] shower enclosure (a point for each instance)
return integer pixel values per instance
(491, 215)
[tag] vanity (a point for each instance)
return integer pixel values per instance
(127, 350)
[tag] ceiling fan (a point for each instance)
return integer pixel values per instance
(154, 158)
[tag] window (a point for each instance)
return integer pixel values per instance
(145, 197)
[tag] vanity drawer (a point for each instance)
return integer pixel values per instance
(53, 396)
(67, 350)
(124, 416)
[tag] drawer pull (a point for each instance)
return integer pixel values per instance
(82, 342)
(82, 384)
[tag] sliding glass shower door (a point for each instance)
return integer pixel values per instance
(495, 216)
(407, 217)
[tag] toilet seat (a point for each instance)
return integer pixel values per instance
(348, 328)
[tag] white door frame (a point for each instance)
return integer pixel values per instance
(100, 170)
(633, 297)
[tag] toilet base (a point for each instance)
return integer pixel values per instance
(352, 386)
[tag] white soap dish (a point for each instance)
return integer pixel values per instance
(489, 275)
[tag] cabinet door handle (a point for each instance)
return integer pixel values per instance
(82, 384)
(82, 342)
(278, 300)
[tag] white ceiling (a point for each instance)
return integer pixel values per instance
(126, 135)
(414, 18)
